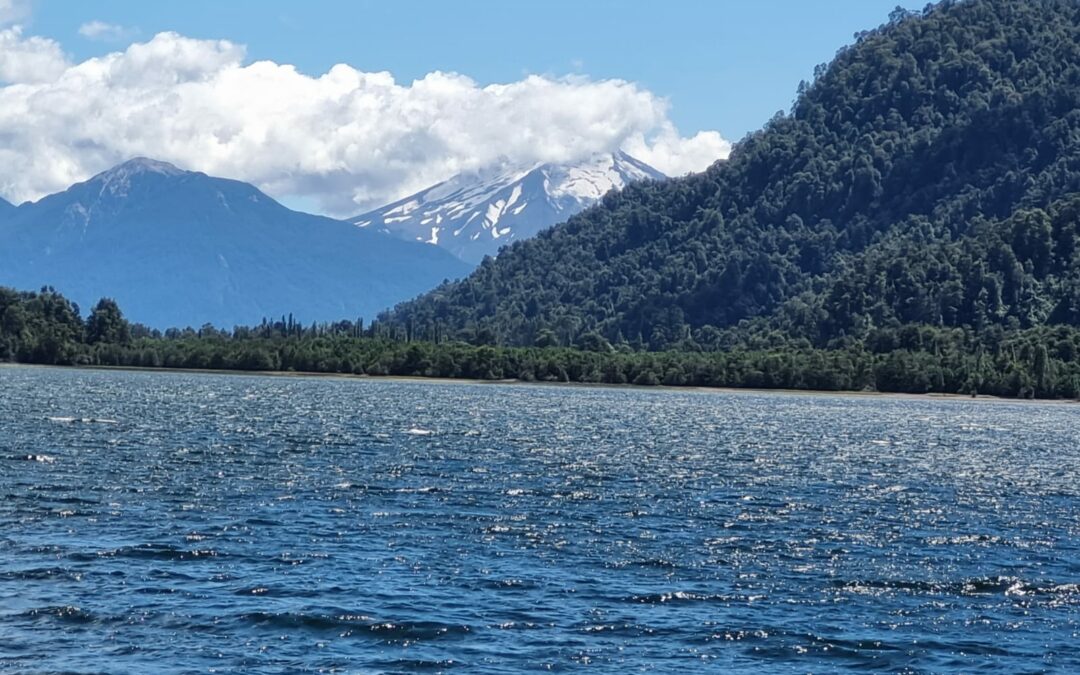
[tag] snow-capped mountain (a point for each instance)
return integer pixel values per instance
(474, 215)
(179, 248)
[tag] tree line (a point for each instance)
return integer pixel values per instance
(1044, 362)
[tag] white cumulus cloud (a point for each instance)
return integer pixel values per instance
(346, 140)
(101, 30)
(12, 11)
(29, 59)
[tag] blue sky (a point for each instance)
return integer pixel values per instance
(723, 64)
(251, 89)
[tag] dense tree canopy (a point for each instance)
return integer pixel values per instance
(929, 175)
(1037, 362)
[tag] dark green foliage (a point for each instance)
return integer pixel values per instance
(930, 175)
(1037, 362)
(106, 324)
(39, 327)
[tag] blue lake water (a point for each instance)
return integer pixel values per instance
(197, 523)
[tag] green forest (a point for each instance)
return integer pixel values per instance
(45, 328)
(928, 176)
(911, 224)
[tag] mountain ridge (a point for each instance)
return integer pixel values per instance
(925, 177)
(473, 215)
(179, 247)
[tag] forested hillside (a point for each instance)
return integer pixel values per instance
(930, 175)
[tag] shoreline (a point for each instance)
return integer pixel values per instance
(419, 379)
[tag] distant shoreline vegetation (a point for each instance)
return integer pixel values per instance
(46, 328)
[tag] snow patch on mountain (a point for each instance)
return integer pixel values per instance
(475, 214)
(117, 180)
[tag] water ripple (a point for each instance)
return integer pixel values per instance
(180, 523)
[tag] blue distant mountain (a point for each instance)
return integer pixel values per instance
(179, 248)
(6, 209)
(473, 215)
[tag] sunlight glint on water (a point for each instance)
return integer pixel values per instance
(279, 524)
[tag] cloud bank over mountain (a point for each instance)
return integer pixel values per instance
(341, 141)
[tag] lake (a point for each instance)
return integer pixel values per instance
(193, 522)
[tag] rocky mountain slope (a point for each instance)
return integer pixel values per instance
(179, 248)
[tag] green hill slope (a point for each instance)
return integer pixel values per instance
(929, 175)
